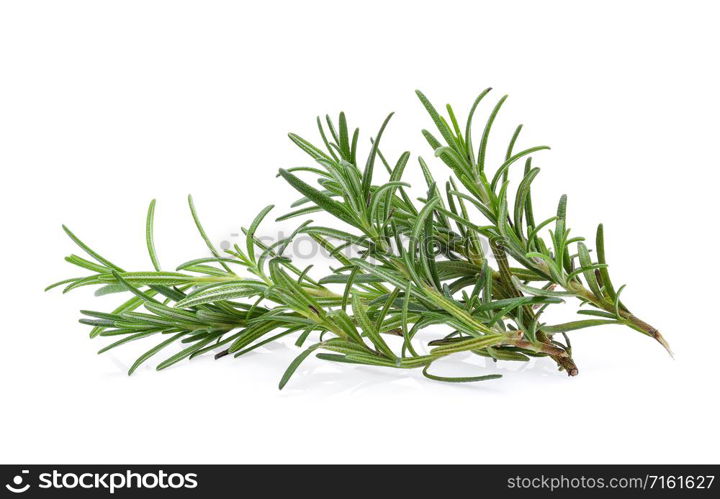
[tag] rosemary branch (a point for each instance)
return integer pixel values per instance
(421, 265)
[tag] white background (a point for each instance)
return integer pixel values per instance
(105, 105)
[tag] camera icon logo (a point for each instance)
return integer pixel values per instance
(17, 486)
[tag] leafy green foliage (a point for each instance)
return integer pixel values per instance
(468, 262)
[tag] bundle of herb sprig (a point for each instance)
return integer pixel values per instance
(469, 263)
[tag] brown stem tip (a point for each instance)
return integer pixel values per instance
(660, 339)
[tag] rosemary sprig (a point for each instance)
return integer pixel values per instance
(422, 264)
(564, 261)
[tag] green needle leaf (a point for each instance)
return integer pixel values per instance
(588, 272)
(325, 202)
(250, 236)
(369, 165)
(201, 230)
(459, 379)
(149, 236)
(144, 357)
(295, 364)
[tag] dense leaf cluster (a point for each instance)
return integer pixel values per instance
(469, 261)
